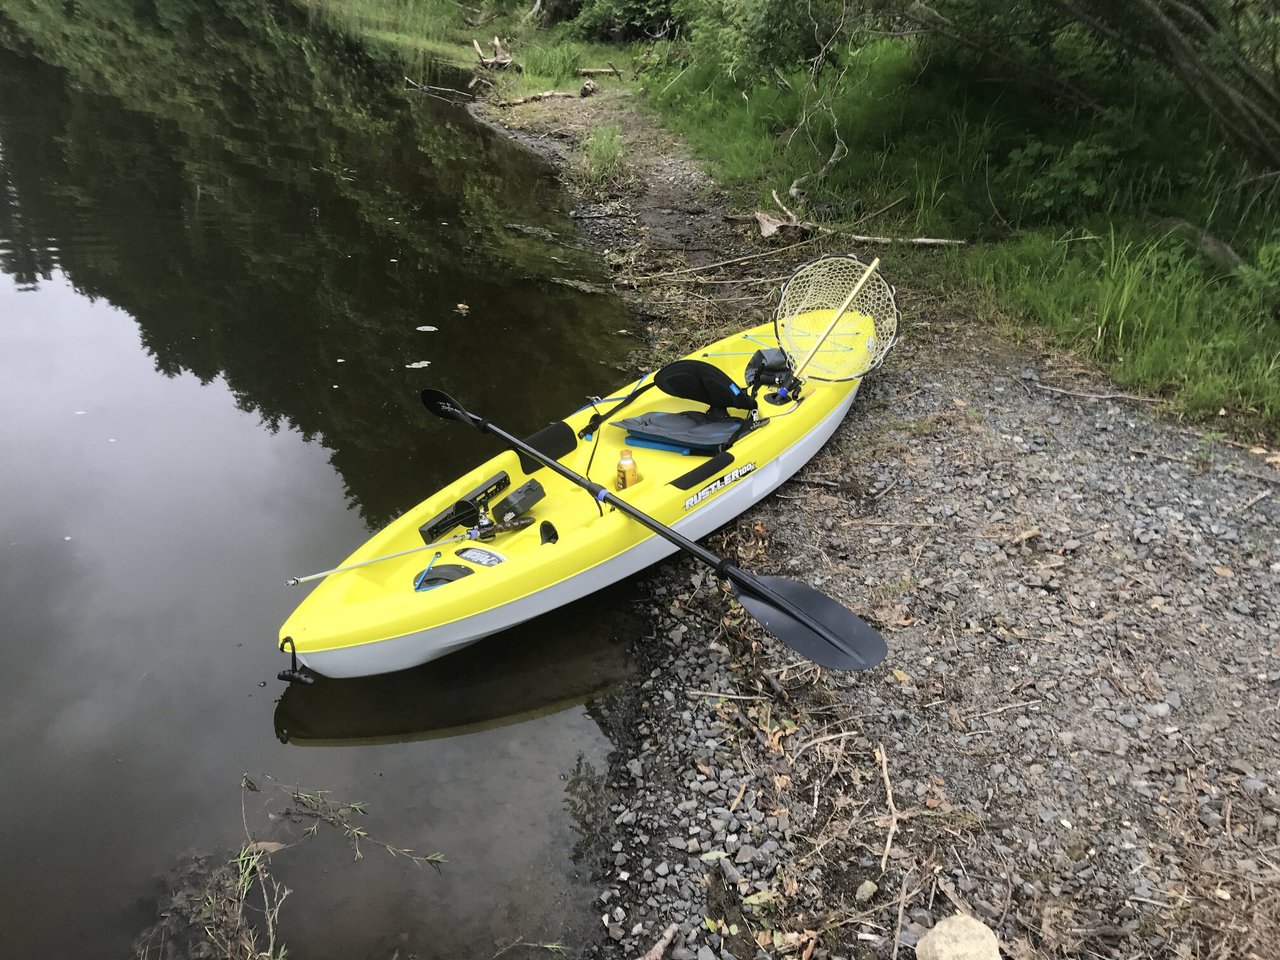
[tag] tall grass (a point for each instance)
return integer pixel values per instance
(1064, 214)
(1149, 307)
(601, 165)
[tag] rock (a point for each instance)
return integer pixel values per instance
(706, 953)
(866, 890)
(745, 854)
(959, 937)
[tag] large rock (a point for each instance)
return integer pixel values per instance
(959, 937)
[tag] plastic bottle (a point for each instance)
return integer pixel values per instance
(628, 474)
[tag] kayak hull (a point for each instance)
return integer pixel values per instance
(422, 646)
(372, 618)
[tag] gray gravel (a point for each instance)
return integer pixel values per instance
(1080, 714)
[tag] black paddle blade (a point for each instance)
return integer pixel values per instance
(445, 407)
(850, 644)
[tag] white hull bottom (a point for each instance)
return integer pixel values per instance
(413, 649)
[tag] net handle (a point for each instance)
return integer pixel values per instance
(857, 288)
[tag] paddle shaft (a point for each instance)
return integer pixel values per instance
(723, 568)
(857, 288)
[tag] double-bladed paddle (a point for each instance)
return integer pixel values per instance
(810, 622)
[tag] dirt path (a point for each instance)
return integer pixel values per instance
(1079, 720)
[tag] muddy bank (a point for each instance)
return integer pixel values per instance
(1076, 737)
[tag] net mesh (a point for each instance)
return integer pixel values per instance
(863, 336)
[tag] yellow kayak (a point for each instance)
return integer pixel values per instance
(512, 539)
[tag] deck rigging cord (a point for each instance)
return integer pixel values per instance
(482, 532)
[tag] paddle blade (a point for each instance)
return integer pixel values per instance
(445, 407)
(843, 642)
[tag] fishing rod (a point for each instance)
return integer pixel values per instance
(482, 533)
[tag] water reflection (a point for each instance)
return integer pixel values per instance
(282, 217)
(219, 237)
(548, 665)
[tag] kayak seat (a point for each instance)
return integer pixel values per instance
(693, 431)
(702, 382)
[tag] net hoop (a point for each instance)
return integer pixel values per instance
(863, 336)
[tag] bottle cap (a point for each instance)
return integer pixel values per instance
(626, 452)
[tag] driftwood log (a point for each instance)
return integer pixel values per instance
(501, 59)
(601, 71)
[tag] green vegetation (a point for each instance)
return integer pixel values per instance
(422, 33)
(600, 165)
(1115, 166)
(275, 211)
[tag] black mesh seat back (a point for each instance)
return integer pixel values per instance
(701, 382)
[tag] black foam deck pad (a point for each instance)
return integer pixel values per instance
(703, 471)
(554, 441)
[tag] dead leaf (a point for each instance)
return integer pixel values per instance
(959, 403)
(266, 846)
(1026, 535)
(1224, 571)
(808, 951)
(769, 224)
(901, 676)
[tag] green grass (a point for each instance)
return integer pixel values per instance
(1062, 212)
(600, 165)
(1152, 310)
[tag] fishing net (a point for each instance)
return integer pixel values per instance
(862, 336)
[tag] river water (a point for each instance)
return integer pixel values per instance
(232, 252)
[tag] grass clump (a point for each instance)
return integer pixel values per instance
(1155, 312)
(601, 167)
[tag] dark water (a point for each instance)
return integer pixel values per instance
(221, 234)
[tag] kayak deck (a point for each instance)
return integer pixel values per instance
(573, 546)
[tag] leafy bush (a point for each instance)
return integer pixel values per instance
(619, 20)
(1262, 280)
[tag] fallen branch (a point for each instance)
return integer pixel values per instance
(1253, 502)
(600, 71)
(450, 94)
(769, 225)
(902, 907)
(501, 59)
(893, 808)
(587, 90)
(1096, 396)
(725, 263)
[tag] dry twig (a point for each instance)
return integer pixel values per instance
(893, 808)
(659, 948)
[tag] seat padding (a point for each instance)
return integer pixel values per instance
(697, 431)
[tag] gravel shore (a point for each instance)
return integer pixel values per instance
(1076, 736)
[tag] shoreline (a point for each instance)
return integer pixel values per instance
(760, 804)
